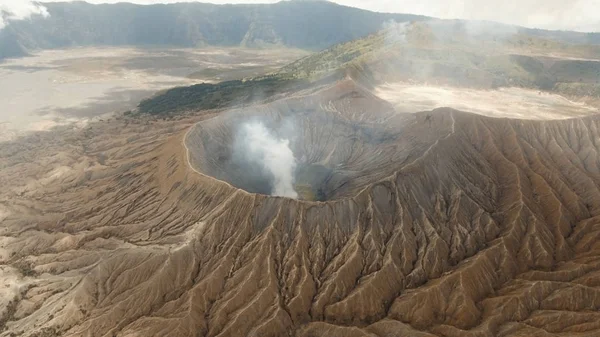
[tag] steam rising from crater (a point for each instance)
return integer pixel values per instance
(273, 154)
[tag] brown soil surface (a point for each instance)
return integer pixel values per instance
(458, 225)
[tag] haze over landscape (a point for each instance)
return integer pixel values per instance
(300, 168)
(578, 15)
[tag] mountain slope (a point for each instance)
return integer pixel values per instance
(10, 46)
(461, 225)
(307, 24)
(437, 52)
(312, 25)
(454, 53)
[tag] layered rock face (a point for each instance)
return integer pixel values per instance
(439, 223)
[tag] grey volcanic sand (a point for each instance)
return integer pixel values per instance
(58, 87)
(505, 102)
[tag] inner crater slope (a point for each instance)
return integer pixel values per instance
(328, 144)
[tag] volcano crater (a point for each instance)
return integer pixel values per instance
(335, 153)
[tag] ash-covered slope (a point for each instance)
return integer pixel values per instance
(466, 226)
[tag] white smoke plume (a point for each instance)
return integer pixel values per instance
(395, 32)
(13, 10)
(274, 155)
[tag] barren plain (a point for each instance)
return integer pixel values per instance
(510, 102)
(57, 87)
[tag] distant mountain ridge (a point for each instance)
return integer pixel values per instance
(311, 25)
(306, 24)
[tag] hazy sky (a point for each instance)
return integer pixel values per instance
(582, 15)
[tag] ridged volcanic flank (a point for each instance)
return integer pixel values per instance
(474, 226)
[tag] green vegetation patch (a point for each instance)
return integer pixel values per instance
(216, 96)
